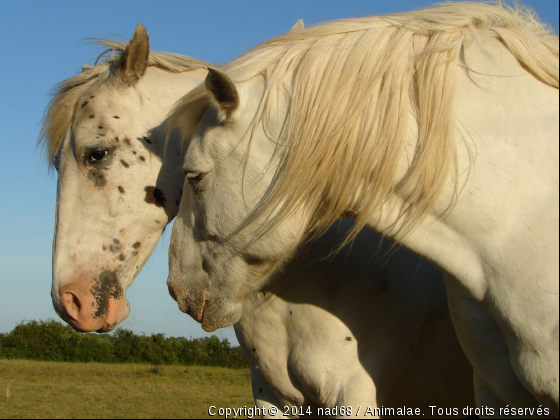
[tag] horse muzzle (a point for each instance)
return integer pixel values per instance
(90, 309)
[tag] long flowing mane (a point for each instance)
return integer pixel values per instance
(352, 87)
(59, 113)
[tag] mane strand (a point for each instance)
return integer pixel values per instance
(353, 86)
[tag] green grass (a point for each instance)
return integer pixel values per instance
(31, 389)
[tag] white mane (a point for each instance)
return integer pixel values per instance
(351, 87)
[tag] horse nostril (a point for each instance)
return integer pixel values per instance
(76, 301)
(206, 266)
(72, 304)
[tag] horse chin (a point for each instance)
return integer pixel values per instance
(221, 315)
(211, 312)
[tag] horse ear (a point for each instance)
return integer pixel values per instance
(222, 89)
(299, 26)
(134, 60)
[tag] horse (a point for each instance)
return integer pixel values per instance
(437, 128)
(104, 134)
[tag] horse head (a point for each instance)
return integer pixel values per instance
(117, 187)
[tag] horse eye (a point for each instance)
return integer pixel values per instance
(96, 156)
(195, 177)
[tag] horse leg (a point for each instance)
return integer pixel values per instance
(486, 398)
(356, 396)
(483, 342)
(264, 397)
(537, 369)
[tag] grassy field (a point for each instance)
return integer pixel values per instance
(76, 390)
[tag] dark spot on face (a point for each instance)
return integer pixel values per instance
(154, 196)
(105, 287)
(91, 97)
(100, 127)
(254, 350)
(97, 177)
(127, 141)
(121, 189)
(134, 253)
(124, 163)
(147, 140)
(117, 139)
(134, 152)
(142, 158)
(85, 103)
(122, 257)
(115, 247)
(116, 117)
(92, 116)
(291, 313)
(104, 248)
(348, 338)
(137, 245)
(158, 222)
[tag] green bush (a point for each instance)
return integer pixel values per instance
(53, 341)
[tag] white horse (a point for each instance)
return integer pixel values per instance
(438, 128)
(118, 190)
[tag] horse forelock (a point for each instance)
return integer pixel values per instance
(65, 95)
(353, 84)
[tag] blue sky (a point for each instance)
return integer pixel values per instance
(42, 43)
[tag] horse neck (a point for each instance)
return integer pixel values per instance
(506, 147)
